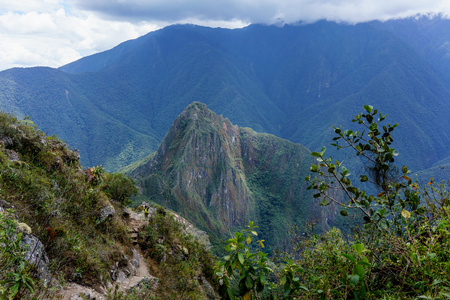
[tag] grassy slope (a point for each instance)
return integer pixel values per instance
(42, 178)
(61, 203)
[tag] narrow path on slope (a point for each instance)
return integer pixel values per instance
(75, 291)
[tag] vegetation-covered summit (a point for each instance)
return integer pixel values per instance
(220, 176)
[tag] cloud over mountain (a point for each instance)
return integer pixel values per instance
(263, 11)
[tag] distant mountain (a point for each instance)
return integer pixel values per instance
(221, 176)
(429, 37)
(291, 81)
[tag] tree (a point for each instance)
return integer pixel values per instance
(406, 230)
(394, 200)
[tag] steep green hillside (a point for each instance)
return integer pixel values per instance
(429, 36)
(220, 176)
(43, 181)
(61, 225)
(62, 106)
(439, 172)
(291, 81)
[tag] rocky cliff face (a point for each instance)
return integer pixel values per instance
(219, 175)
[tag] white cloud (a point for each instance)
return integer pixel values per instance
(54, 37)
(24, 6)
(263, 11)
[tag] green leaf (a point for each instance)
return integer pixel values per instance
(368, 108)
(352, 189)
(230, 293)
(405, 170)
(364, 178)
(249, 239)
(249, 282)
(349, 257)
(360, 271)
(283, 280)
(316, 154)
(364, 263)
(359, 248)
(354, 279)
(262, 278)
(241, 258)
(343, 213)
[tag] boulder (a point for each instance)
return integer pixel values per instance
(35, 254)
(208, 289)
(4, 205)
(126, 212)
(135, 261)
(106, 213)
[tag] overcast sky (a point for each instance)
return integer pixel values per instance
(55, 32)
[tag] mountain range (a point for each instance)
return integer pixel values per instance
(293, 81)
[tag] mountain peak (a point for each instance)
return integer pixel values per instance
(221, 176)
(193, 110)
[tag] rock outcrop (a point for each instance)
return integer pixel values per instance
(35, 254)
(106, 213)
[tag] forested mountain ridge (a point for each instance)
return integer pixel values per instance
(292, 81)
(221, 176)
(429, 37)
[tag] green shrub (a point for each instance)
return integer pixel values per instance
(182, 260)
(247, 268)
(16, 278)
(119, 187)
